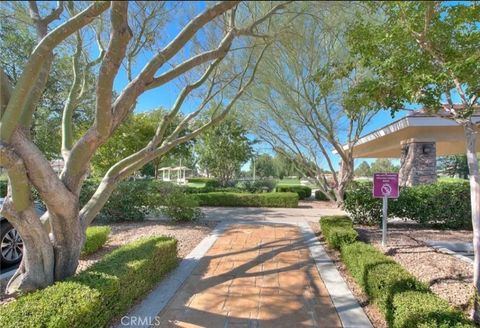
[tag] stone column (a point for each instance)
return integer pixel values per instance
(418, 162)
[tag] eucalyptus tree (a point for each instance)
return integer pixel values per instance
(300, 103)
(427, 53)
(237, 34)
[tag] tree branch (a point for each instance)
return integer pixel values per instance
(25, 84)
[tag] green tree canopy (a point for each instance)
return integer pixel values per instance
(224, 149)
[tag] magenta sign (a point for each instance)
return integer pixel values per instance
(385, 185)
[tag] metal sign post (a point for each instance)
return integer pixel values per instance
(384, 220)
(385, 186)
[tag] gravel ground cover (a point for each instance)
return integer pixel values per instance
(187, 234)
(447, 276)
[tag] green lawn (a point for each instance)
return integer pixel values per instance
(196, 184)
(289, 182)
(452, 180)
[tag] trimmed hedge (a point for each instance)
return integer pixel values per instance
(320, 196)
(302, 191)
(248, 200)
(95, 239)
(338, 230)
(105, 290)
(3, 188)
(442, 205)
(405, 301)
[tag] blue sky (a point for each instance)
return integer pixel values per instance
(165, 95)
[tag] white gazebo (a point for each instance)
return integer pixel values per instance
(165, 173)
(180, 172)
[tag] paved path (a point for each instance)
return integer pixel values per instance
(255, 275)
(288, 215)
(259, 268)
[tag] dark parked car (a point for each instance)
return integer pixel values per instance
(11, 243)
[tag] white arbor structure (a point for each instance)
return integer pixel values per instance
(177, 174)
(166, 173)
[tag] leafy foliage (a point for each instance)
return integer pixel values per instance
(260, 185)
(223, 149)
(3, 188)
(94, 297)
(338, 230)
(96, 237)
(443, 205)
(416, 51)
(179, 206)
(454, 165)
(302, 191)
(132, 136)
(405, 301)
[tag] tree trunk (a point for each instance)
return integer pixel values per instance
(471, 136)
(68, 238)
(37, 267)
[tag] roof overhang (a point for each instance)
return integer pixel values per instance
(385, 142)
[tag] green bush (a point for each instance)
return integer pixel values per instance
(105, 290)
(338, 230)
(320, 196)
(248, 200)
(131, 200)
(96, 238)
(3, 188)
(425, 310)
(443, 205)
(340, 236)
(361, 205)
(302, 191)
(403, 300)
(181, 207)
(256, 186)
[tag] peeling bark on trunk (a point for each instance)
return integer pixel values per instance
(471, 138)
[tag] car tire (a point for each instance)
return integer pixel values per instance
(11, 245)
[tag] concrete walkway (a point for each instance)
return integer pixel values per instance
(286, 215)
(259, 268)
(254, 276)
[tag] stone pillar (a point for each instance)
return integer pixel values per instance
(418, 162)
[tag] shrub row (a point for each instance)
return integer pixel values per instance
(302, 191)
(105, 290)
(444, 205)
(338, 230)
(132, 200)
(405, 301)
(320, 196)
(96, 238)
(248, 200)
